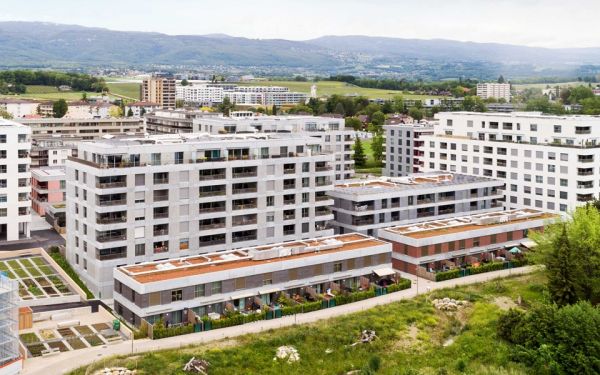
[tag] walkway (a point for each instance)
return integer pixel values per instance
(68, 361)
(40, 238)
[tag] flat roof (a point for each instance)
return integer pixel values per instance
(246, 257)
(415, 181)
(49, 171)
(468, 223)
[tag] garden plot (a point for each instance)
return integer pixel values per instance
(36, 278)
(68, 338)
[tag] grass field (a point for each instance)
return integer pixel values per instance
(372, 166)
(542, 86)
(325, 88)
(412, 338)
(50, 93)
(127, 89)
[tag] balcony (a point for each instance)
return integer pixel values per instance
(209, 177)
(585, 172)
(237, 221)
(110, 237)
(111, 219)
(161, 232)
(112, 202)
(208, 209)
(244, 204)
(446, 197)
(289, 170)
(114, 253)
(323, 168)
(321, 198)
(111, 185)
(289, 232)
(584, 197)
(289, 201)
(244, 190)
(211, 224)
(290, 216)
(322, 182)
(161, 215)
(250, 237)
(244, 173)
(161, 197)
(586, 159)
(363, 221)
(363, 207)
(212, 240)
(322, 211)
(160, 180)
(585, 185)
(289, 186)
(211, 193)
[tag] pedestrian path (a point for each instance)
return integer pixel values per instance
(70, 360)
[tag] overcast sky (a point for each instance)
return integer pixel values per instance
(546, 23)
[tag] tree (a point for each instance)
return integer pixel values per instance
(59, 108)
(378, 118)
(501, 79)
(561, 271)
(339, 109)
(579, 93)
(84, 97)
(226, 106)
(274, 110)
(130, 112)
(398, 104)
(415, 113)
(142, 111)
(473, 104)
(179, 103)
(378, 147)
(115, 111)
(354, 123)
(184, 82)
(5, 114)
(360, 158)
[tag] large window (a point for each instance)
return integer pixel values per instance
(176, 295)
(199, 291)
(216, 287)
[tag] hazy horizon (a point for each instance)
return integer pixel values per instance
(526, 22)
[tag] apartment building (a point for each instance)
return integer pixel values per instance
(19, 107)
(11, 361)
(48, 187)
(139, 109)
(211, 93)
(547, 162)
(159, 89)
(403, 154)
(52, 151)
(332, 133)
(160, 197)
(367, 205)
(179, 290)
(15, 176)
(173, 121)
(435, 245)
(494, 90)
(82, 128)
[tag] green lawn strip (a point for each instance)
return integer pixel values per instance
(39, 261)
(47, 270)
(62, 262)
(411, 338)
(29, 338)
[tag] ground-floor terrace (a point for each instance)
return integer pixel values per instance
(465, 261)
(271, 300)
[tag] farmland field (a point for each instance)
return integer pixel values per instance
(127, 89)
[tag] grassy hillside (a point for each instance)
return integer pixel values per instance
(542, 86)
(126, 89)
(413, 338)
(325, 88)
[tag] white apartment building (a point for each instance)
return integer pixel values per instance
(83, 128)
(19, 107)
(15, 177)
(403, 155)
(139, 109)
(160, 197)
(494, 90)
(173, 121)
(364, 206)
(200, 93)
(332, 133)
(211, 93)
(547, 162)
(54, 151)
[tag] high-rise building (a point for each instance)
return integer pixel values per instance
(402, 148)
(547, 162)
(10, 358)
(160, 197)
(15, 176)
(160, 90)
(494, 90)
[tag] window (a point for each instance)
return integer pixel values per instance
(199, 291)
(438, 248)
(337, 267)
(557, 128)
(176, 295)
(424, 251)
(270, 201)
(476, 242)
(215, 287)
(140, 249)
(563, 195)
(564, 182)
(533, 127)
(493, 238)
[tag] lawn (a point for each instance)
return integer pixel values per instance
(40, 92)
(412, 338)
(326, 88)
(542, 86)
(372, 166)
(129, 90)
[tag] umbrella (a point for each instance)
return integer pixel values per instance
(514, 250)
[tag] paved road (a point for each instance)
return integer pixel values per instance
(40, 238)
(68, 361)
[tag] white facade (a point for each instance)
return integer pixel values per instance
(169, 196)
(15, 177)
(19, 108)
(494, 90)
(364, 206)
(402, 148)
(547, 162)
(139, 109)
(84, 128)
(10, 358)
(85, 110)
(210, 93)
(334, 136)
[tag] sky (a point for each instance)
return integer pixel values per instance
(543, 23)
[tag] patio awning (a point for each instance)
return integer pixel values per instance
(243, 295)
(514, 250)
(384, 272)
(268, 291)
(529, 244)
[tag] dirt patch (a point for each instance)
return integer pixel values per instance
(222, 344)
(504, 303)
(409, 338)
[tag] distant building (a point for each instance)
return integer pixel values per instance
(138, 109)
(159, 89)
(83, 109)
(82, 128)
(15, 177)
(20, 107)
(48, 187)
(212, 93)
(553, 93)
(494, 90)
(52, 152)
(64, 88)
(173, 121)
(402, 147)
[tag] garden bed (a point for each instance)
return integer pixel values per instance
(94, 340)
(76, 343)
(35, 349)
(58, 345)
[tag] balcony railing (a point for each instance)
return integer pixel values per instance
(161, 232)
(244, 190)
(320, 198)
(289, 232)
(159, 181)
(111, 220)
(161, 215)
(289, 170)
(289, 186)
(111, 238)
(208, 177)
(161, 197)
(237, 223)
(323, 212)
(121, 254)
(243, 238)
(212, 226)
(323, 169)
(244, 174)
(113, 202)
(246, 206)
(108, 185)
(289, 201)
(212, 242)
(363, 222)
(289, 217)
(211, 209)
(213, 193)
(323, 182)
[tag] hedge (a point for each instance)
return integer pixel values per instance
(488, 267)
(160, 332)
(301, 308)
(237, 319)
(62, 262)
(401, 285)
(447, 275)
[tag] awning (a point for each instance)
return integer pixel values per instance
(268, 291)
(529, 244)
(243, 295)
(514, 250)
(384, 272)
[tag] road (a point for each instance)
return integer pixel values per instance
(68, 361)
(40, 238)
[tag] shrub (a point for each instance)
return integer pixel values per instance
(400, 285)
(62, 262)
(447, 275)
(488, 267)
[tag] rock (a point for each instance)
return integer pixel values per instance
(287, 353)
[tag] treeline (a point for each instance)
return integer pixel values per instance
(581, 99)
(15, 81)
(454, 87)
